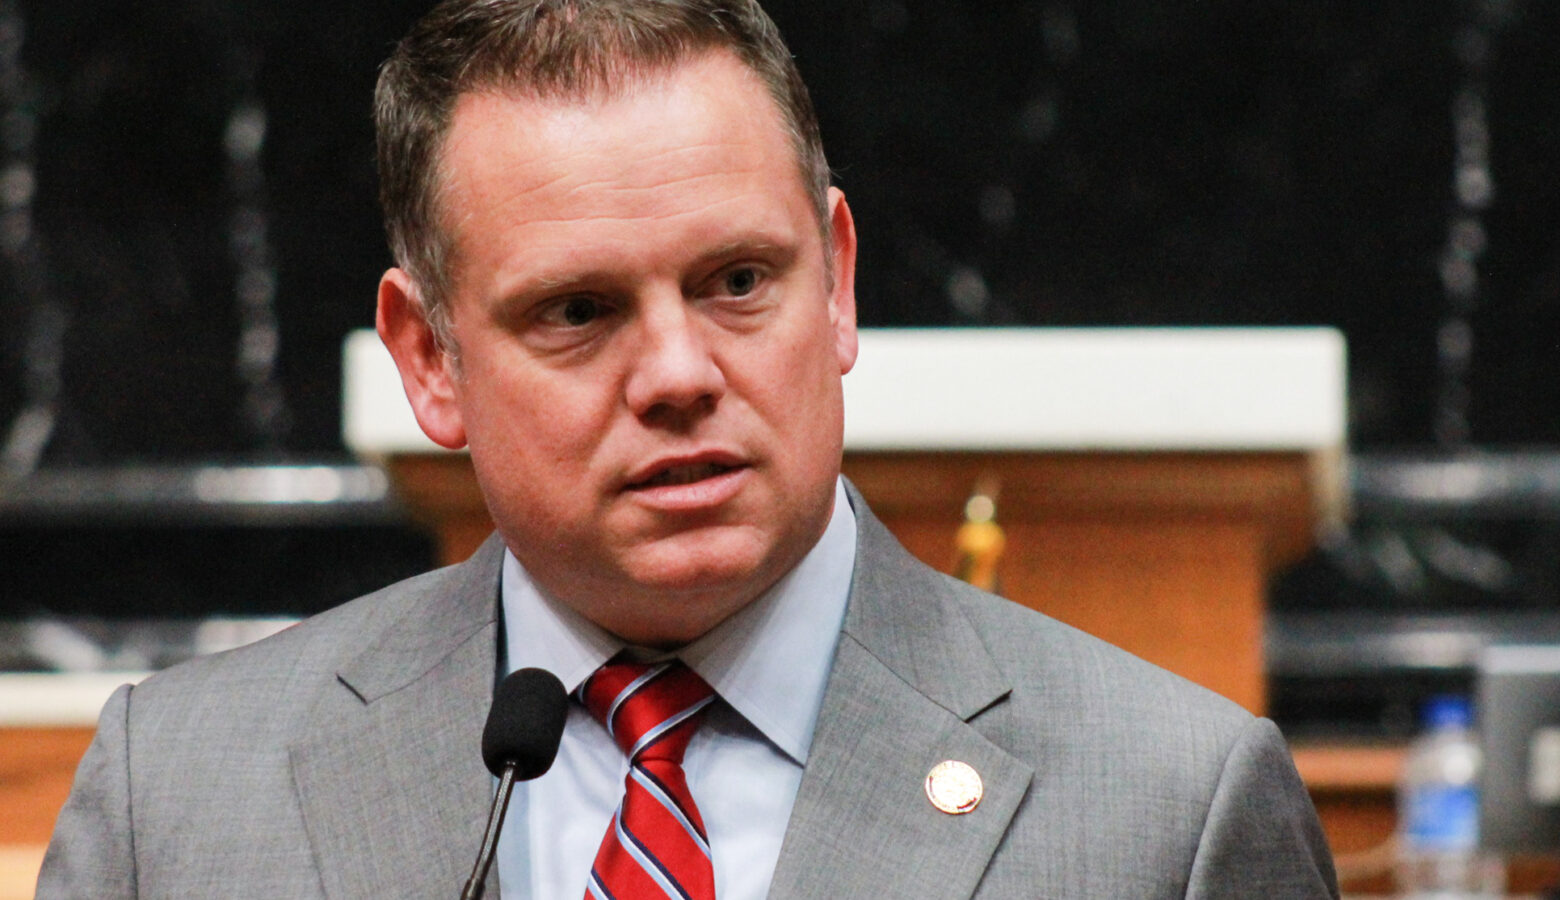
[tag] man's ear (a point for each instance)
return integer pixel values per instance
(427, 371)
(842, 301)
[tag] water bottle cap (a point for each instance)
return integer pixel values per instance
(1448, 711)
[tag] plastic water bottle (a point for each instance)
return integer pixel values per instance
(1438, 811)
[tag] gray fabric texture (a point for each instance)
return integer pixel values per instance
(340, 759)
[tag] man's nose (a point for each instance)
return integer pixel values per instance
(675, 373)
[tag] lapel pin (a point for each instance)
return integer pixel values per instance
(954, 787)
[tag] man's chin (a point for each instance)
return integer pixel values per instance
(708, 570)
(670, 609)
(723, 568)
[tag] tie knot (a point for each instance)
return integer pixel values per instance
(651, 710)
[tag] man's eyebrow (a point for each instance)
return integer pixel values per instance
(566, 275)
(537, 287)
(766, 245)
(549, 280)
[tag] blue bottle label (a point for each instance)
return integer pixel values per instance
(1443, 817)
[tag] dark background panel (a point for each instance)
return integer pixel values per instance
(1121, 162)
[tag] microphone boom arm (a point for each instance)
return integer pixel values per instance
(478, 880)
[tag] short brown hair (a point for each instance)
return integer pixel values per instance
(548, 49)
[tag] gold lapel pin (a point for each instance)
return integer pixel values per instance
(954, 787)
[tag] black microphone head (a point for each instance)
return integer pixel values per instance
(525, 723)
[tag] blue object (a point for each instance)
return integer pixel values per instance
(1447, 711)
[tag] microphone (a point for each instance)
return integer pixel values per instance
(519, 742)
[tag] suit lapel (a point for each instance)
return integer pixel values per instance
(908, 676)
(389, 776)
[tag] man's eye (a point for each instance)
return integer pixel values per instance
(577, 311)
(741, 282)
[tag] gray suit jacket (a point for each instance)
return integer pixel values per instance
(340, 759)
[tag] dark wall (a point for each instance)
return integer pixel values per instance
(1046, 163)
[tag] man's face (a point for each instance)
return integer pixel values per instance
(650, 335)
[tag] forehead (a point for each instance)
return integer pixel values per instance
(703, 117)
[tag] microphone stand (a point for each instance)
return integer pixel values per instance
(479, 872)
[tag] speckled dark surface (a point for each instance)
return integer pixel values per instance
(1047, 163)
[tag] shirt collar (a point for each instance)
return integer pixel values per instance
(770, 661)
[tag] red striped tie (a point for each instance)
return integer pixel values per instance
(655, 846)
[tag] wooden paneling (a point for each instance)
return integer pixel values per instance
(36, 769)
(1163, 554)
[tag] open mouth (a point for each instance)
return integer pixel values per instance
(679, 475)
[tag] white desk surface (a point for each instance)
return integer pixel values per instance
(57, 699)
(1214, 389)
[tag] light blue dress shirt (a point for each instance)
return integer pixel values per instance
(769, 663)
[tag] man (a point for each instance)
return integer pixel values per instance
(626, 286)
